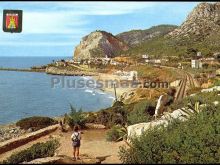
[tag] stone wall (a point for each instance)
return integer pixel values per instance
(17, 142)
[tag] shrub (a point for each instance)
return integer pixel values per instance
(39, 150)
(117, 114)
(116, 133)
(35, 122)
(217, 82)
(139, 113)
(75, 117)
(193, 141)
(202, 98)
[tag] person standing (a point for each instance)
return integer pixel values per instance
(76, 139)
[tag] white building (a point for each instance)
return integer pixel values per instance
(157, 61)
(196, 64)
(132, 75)
(145, 56)
(199, 54)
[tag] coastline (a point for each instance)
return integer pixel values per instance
(57, 71)
(109, 77)
(22, 69)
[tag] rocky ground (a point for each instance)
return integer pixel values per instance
(9, 132)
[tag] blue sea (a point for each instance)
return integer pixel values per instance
(24, 94)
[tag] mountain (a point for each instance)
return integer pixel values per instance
(199, 32)
(200, 23)
(135, 37)
(99, 44)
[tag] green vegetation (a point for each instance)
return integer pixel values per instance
(122, 114)
(135, 37)
(75, 117)
(151, 73)
(139, 113)
(114, 115)
(35, 122)
(116, 133)
(196, 140)
(38, 150)
(157, 47)
(202, 98)
(181, 48)
(216, 82)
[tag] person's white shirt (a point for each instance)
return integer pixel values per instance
(75, 134)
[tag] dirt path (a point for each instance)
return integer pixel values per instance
(93, 144)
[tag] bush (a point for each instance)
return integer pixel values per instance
(75, 118)
(117, 114)
(116, 133)
(193, 141)
(202, 98)
(139, 113)
(39, 150)
(35, 122)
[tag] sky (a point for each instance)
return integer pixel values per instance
(55, 28)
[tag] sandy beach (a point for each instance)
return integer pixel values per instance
(110, 77)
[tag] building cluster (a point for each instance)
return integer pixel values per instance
(149, 60)
(129, 76)
(198, 61)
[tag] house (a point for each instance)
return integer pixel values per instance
(196, 63)
(153, 61)
(199, 54)
(157, 61)
(131, 75)
(145, 56)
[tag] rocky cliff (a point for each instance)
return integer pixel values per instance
(200, 31)
(135, 37)
(200, 23)
(99, 44)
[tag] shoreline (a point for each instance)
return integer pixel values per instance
(65, 72)
(22, 69)
(95, 76)
(105, 77)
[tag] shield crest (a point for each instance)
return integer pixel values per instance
(12, 21)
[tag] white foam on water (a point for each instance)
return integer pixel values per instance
(101, 93)
(111, 97)
(88, 91)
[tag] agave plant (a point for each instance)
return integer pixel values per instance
(117, 133)
(191, 109)
(123, 132)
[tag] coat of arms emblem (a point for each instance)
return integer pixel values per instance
(12, 21)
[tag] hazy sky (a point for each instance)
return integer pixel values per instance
(55, 28)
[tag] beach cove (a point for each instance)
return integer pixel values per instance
(25, 94)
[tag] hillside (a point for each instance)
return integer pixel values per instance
(135, 37)
(200, 32)
(99, 44)
(203, 21)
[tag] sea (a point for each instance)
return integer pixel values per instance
(25, 94)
